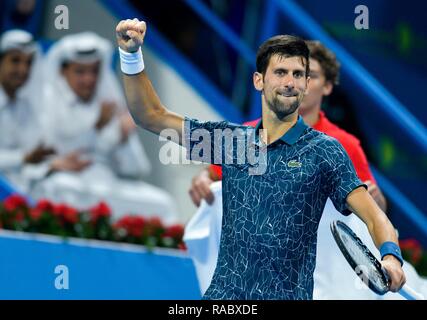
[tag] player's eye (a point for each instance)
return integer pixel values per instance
(298, 74)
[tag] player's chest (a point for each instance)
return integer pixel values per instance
(285, 169)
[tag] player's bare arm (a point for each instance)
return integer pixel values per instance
(381, 231)
(143, 102)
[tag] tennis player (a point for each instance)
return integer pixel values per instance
(271, 215)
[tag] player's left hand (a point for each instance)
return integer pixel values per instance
(395, 272)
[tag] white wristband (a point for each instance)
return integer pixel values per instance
(131, 63)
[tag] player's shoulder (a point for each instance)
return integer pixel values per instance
(328, 150)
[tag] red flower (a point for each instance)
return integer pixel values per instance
(122, 222)
(409, 244)
(67, 213)
(134, 225)
(154, 226)
(155, 222)
(175, 231)
(99, 211)
(19, 216)
(44, 205)
(182, 246)
(14, 202)
(58, 209)
(71, 215)
(413, 248)
(137, 226)
(36, 213)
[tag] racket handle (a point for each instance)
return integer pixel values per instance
(410, 294)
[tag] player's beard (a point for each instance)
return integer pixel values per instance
(283, 108)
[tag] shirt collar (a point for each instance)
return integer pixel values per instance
(292, 135)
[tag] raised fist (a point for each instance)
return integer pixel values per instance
(130, 34)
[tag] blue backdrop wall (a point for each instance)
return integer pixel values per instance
(95, 270)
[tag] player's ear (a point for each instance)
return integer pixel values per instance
(307, 87)
(327, 88)
(258, 81)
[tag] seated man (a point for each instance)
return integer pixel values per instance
(85, 113)
(21, 140)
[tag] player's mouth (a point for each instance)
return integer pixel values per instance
(288, 94)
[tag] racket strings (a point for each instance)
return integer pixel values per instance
(366, 266)
(364, 263)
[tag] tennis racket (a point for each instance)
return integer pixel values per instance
(364, 263)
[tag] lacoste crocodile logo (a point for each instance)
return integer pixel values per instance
(294, 164)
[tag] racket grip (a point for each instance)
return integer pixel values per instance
(410, 294)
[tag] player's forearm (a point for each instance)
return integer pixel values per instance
(143, 102)
(381, 229)
(385, 238)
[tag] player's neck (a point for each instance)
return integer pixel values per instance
(311, 117)
(276, 127)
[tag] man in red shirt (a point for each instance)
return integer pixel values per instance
(324, 74)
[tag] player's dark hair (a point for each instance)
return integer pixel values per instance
(284, 46)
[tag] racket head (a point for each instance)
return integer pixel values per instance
(360, 258)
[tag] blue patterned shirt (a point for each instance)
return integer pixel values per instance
(270, 220)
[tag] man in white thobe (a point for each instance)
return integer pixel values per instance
(21, 138)
(85, 114)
